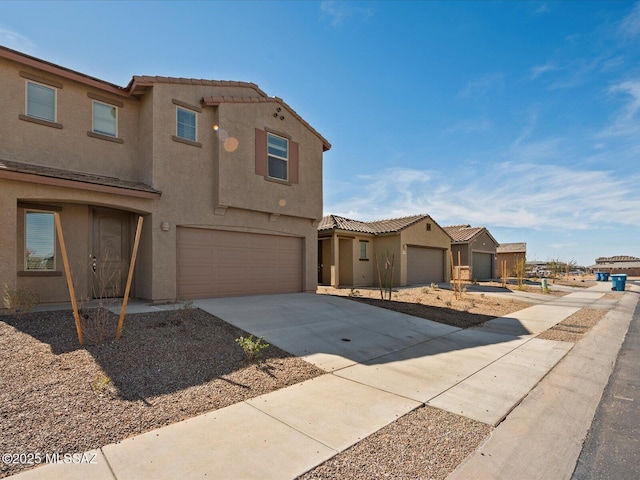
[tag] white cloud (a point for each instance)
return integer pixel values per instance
(626, 121)
(15, 40)
(338, 12)
(538, 70)
(482, 85)
(630, 26)
(509, 194)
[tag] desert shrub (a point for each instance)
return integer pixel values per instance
(19, 300)
(252, 348)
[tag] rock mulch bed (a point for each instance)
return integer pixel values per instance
(427, 443)
(435, 304)
(56, 397)
(574, 327)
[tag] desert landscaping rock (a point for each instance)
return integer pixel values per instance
(574, 327)
(427, 443)
(433, 303)
(56, 397)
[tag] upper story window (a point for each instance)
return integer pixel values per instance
(40, 241)
(105, 119)
(186, 124)
(41, 101)
(278, 154)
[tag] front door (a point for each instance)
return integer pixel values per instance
(111, 252)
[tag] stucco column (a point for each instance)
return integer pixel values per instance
(335, 261)
(8, 240)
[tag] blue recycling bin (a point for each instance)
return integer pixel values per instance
(618, 282)
(598, 276)
(605, 276)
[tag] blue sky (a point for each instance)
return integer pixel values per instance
(521, 116)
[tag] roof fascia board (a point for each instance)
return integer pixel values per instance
(78, 185)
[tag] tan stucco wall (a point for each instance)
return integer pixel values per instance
(512, 260)
(70, 147)
(418, 235)
(75, 218)
(194, 180)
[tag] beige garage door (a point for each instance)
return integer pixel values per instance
(481, 266)
(217, 263)
(424, 265)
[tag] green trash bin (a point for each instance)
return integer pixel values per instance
(618, 282)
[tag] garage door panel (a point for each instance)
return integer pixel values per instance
(481, 268)
(424, 265)
(214, 263)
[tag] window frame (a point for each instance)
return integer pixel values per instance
(366, 254)
(55, 101)
(93, 118)
(27, 211)
(278, 157)
(195, 126)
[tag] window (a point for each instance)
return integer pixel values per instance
(363, 250)
(105, 119)
(278, 154)
(41, 102)
(185, 124)
(40, 241)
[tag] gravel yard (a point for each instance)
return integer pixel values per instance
(435, 304)
(427, 443)
(168, 366)
(56, 397)
(573, 328)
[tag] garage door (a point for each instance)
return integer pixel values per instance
(424, 265)
(218, 263)
(481, 266)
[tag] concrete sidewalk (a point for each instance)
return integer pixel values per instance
(382, 365)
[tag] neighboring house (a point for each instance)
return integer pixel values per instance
(617, 264)
(477, 249)
(512, 253)
(347, 251)
(228, 180)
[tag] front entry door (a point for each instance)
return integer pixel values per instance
(111, 252)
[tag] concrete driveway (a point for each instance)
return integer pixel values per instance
(419, 359)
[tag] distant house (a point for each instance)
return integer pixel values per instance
(477, 249)
(617, 264)
(347, 251)
(512, 253)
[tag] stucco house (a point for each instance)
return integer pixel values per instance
(228, 180)
(617, 264)
(512, 253)
(477, 249)
(347, 251)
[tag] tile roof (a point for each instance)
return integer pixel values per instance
(462, 233)
(617, 258)
(511, 247)
(58, 173)
(377, 227)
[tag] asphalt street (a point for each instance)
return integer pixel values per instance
(612, 447)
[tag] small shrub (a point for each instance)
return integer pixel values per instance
(434, 286)
(448, 303)
(100, 383)
(482, 295)
(19, 300)
(438, 297)
(354, 293)
(424, 290)
(252, 348)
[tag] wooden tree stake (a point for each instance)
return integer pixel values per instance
(67, 271)
(130, 277)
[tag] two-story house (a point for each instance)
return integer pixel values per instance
(228, 180)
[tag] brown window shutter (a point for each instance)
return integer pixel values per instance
(293, 162)
(261, 153)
